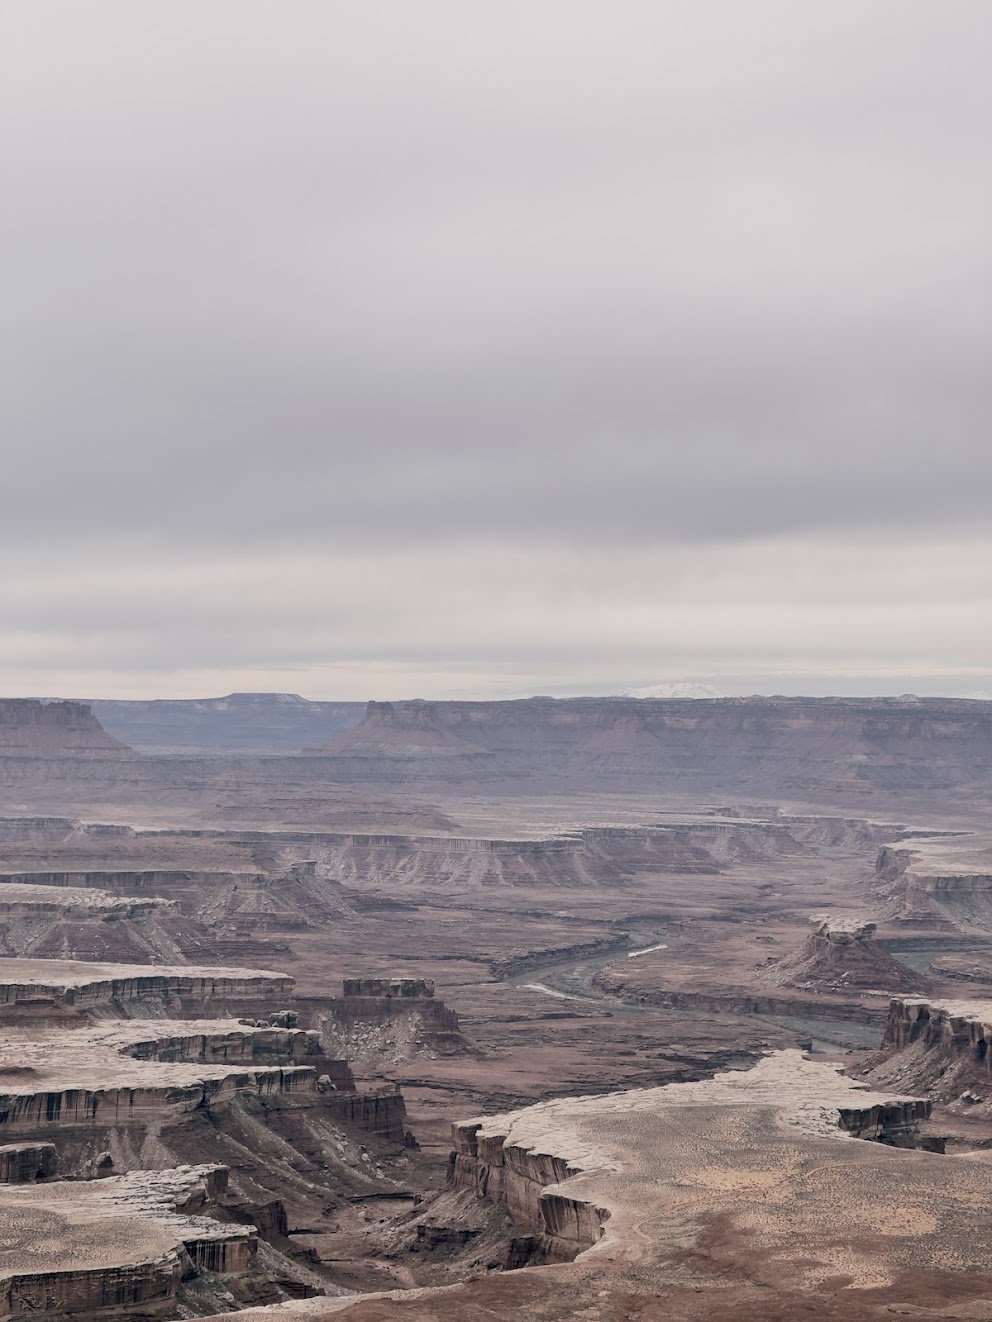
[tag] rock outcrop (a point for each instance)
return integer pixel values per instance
(389, 1020)
(835, 744)
(573, 1170)
(944, 879)
(22, 1163)
(120, 1243)
(29, 728)
(131, 989)
(841, 955)
(939, 1046)
(79, 923)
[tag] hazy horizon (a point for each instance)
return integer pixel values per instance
(731, 687)
(477, 351)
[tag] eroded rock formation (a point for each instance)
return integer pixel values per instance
(940, 1046)
(836, 743)
(388, 1020)
(939, 879)
(127, 1242)
(53, 729)
(572, 1170)
(840, 955)
(131, 989)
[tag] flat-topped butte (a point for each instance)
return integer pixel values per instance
(78, 983)
(121, 1070)
(80, 1246)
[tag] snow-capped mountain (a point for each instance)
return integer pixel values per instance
(672, 690)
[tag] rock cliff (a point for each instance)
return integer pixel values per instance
(123, 1243)
(125, 1072)
(841, 955)
(573, 1170)
(830, 744)
(939, 879)
(385, 1021)
(939, 1046)
(53, 729)
(130, 989)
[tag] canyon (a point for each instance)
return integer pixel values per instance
(600, 1008)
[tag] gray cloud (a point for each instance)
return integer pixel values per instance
(326, 291)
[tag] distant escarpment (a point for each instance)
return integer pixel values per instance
(237, 723)
(808, 745)
(29, 728)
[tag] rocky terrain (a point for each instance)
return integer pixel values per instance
(169, 1155)
(249, 995)
(30, 729)
(841, 954)
(779, 1192)
(804, 747)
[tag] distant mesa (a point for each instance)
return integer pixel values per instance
(672, 690)
(30, 728)
(251, 723)
(800, 747)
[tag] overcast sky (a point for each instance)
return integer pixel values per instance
(479, 348)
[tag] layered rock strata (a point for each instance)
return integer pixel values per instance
(121, 1243)
(106, 1078)
(118, 988)
(941, 1046)
(383, 1020)
(945, 880)
(841, 955)
(835, 745)
(22, 1163)
(128, 1072)
(29, 728)
(30, 900)
(573, 1170)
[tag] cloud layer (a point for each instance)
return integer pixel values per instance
(380, 349)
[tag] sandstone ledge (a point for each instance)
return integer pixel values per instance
(124, 1242)
(572, 1169)
(84, 986)
(124, 1071)
(28, 899)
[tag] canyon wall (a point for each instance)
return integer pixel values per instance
(960, 1029)
(29, 728)
(943, 879)
(518, 1178)
(940, 1046)
(821, 744)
